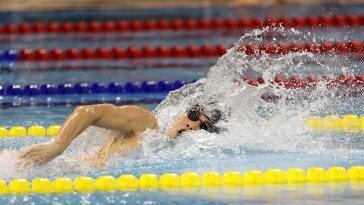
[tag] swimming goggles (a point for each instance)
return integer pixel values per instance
(194, 115)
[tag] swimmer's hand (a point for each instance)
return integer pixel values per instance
(39, 154)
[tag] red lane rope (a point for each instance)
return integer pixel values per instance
(180, 24)
(193, 51)
(355, 83)
(342, 81)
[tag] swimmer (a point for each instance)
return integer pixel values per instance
(126, 123)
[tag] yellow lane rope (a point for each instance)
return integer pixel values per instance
(346, 123)
(34, 130)
(312, 175)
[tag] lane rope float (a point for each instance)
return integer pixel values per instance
(346, 123)
(166, 86)
(91, 88)
(179, 24)
(31, 131)
(116, 100)
(295, 82)
(166, 181)
(191, 51)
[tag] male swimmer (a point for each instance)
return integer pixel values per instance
(126, 124)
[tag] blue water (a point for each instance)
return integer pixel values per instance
(324, 150)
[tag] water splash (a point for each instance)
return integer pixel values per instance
(252, 123)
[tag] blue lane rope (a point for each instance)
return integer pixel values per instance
(85, 88)
(76, 99)
(7, 105)
(9, 55)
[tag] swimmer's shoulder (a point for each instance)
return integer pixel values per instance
(143, 116)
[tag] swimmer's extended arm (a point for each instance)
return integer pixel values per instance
(130, 120)
(127, 119)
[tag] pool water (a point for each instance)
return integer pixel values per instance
(246, 145)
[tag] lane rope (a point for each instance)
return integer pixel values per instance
(14, 96)
(71, 101)
(166, 181)
(295, 82)
(31, 131)
(191, 51)
(341, 81)
(346, 123)
(91, 88)
(179, 24)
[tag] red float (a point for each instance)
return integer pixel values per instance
(118, 53)
(57, 54)
(108, 26)
(88, 53)
(133, 52)
(148, 52)
(39, 28)
(103, 53)
(67, 27)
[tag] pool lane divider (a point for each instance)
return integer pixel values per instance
(343, 81)
(346, 123)
(51, 102)
(14, 96)
(92, 88)
(172, 181)
(65, 27)
(176, 51)
(31, 131)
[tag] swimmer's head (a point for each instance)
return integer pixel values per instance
(196, 118)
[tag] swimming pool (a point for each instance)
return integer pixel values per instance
(251, 141)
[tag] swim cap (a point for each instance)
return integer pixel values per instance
(213, 114)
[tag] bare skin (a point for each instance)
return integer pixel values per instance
(184, 124)
(125, 123)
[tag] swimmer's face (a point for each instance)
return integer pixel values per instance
(184, 124)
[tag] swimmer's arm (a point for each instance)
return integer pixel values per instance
(127, 119)
(130, 120)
